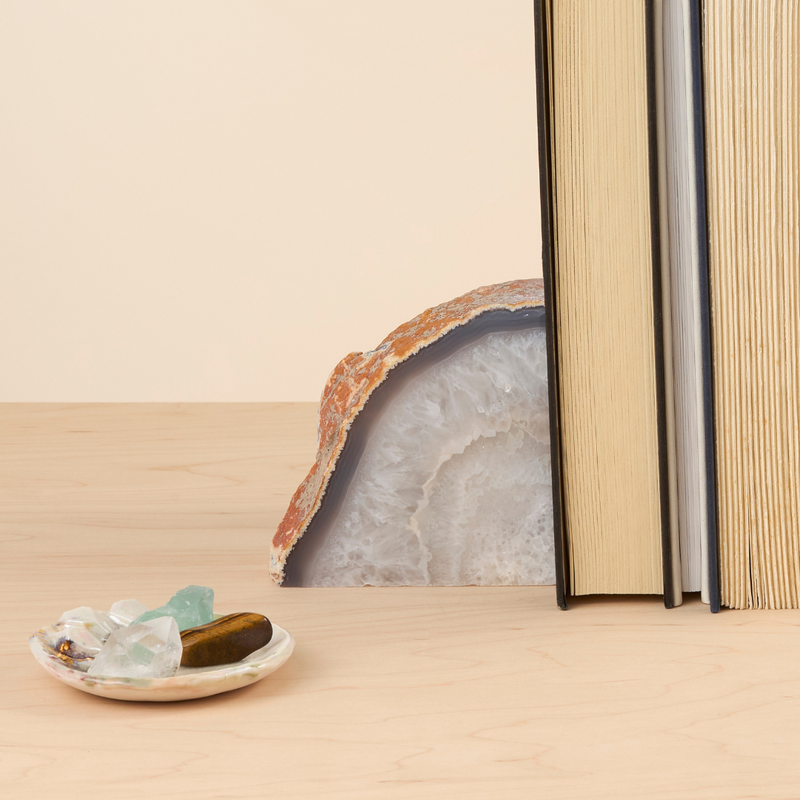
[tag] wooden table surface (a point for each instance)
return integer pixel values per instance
(391, 693)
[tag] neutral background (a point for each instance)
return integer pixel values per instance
(217, 201)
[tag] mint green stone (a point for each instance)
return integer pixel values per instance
(140, 654)
(190, 607)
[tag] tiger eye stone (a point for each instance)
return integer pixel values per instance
(225, 640)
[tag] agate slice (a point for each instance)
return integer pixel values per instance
(433, 465)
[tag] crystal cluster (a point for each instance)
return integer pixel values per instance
(131, 641)
(149, 649)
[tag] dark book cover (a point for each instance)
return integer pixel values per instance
(709, 427)
(546, 157)
(545, 191)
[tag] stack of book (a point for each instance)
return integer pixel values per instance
(670, 181)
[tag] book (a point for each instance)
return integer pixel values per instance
(688, 363)
(621, 145)
(752, 106)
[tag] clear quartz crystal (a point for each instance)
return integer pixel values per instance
(73, 640)
(97, 623)
(124, 612)
(150, 649)
(79, 635)
(190, 607)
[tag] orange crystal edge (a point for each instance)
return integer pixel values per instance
(358, 375)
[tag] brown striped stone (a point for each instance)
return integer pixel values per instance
(225, 640)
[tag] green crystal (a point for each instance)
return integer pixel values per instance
(190, 607)
(140, 654)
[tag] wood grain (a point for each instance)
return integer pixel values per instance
(391, 693)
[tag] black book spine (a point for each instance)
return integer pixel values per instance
(658, 313)
(541, 35)
(709, 426)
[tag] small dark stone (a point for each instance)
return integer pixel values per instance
(225, 640)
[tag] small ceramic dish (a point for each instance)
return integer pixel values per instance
(186, 684)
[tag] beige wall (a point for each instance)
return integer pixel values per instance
(217, 201)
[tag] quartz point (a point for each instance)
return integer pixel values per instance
(150, 649)
(97, 623)
(78, 636)
(72, 642)
(124, 612)
(190, 607)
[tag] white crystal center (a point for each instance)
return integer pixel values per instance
(454, 485)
